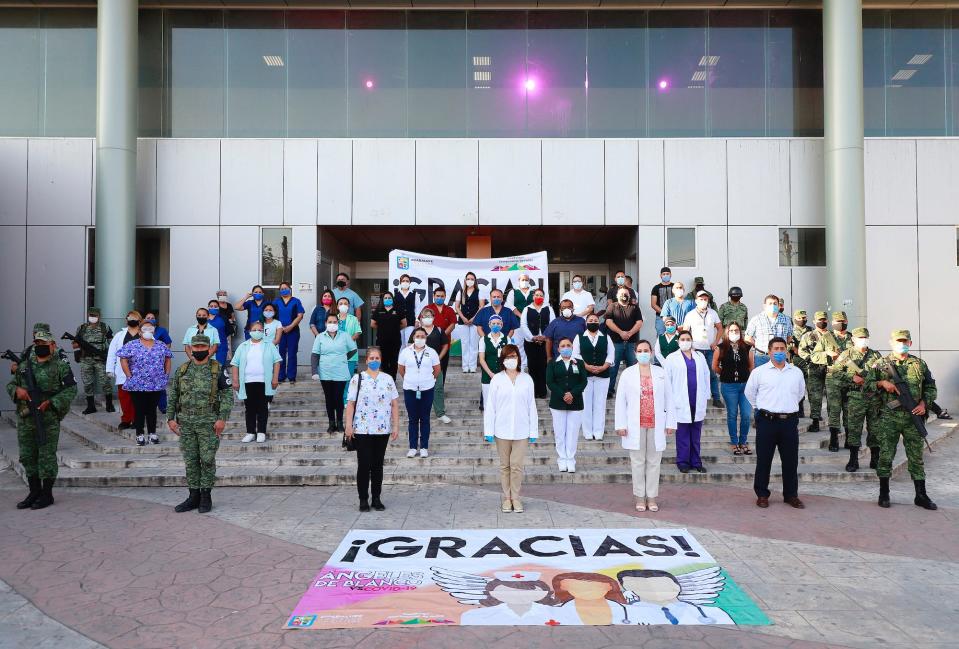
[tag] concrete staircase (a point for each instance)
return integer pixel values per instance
(298, 451)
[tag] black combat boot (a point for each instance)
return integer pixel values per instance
(814, 426)
(833, 440)
(922, 500)
(109, 399)
(34, 483)
(206, 503)
(853, 464)
(377, 504)
(192, 502)
(884, 492)
(873, 457)
(46, 494)
(364, 506)
(91, 406)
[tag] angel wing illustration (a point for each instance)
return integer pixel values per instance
(702, 586)
(465, 587)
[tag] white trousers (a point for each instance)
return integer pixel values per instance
(646, 463)
(469, 344)
(594, 407)
(566, 431)
(485, 388)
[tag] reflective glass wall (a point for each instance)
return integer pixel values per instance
(603, 73)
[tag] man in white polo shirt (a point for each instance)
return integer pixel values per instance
(706, 327)
(774, 390)
(583, 303)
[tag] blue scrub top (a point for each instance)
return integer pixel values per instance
(285, 313)
(561, 328)
(254, 311)
(220, 324)
(355, 300)
(510, 321)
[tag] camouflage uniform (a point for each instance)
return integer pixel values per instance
(731, 312)
(816, 347)
(836, 397)
(863, 405)
(793, 349)
(698, 285)
(93, 373)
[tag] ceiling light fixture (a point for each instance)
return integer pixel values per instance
(699, 75)
(903, 75)
(919, 59)
(709, 61)
(273, 61)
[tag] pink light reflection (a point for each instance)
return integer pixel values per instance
(663, 84)
(369, 84)
(530, 85)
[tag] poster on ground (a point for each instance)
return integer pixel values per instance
(545, 577)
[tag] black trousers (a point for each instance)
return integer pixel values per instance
(536, 363)
(370, 451)
(781, 435)
(333, 395)
(145, 409)
(257, 411)
(389, 352)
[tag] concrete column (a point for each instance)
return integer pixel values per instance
(843, 147)
(116, 157)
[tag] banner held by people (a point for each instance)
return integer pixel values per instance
(530, 577)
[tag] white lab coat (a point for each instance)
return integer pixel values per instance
(676, 373)
(510, 409)
(113, 363)
(503, 615)
(627, 407)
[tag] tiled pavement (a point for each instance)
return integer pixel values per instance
(120, 569)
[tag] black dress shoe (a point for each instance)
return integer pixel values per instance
(364, 506)
(700, 469)
(378, 505)
(683, 468)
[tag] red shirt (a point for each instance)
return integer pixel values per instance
(443, 319)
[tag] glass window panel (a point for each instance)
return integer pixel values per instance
(497, 60)
(70, 85)
(556, 74)
(317, 73)
(734, 71)
(802, 246)
(21, 72)
(681, 247)
(794, 62)
(150, 62)
(438, 71)
(256, 74)
(376, 79)
(915, 78)
(153, 257)
(196, 75)
(616, 57)
(276, 257)
(874, 72)
(677, 45)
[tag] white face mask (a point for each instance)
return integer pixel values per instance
(685, 345)
(405, 286)
(510, 363)
(332, 327)
(577, 286)
(702, 304)
(861, 343)
(419, 342)
(678, 293)
(427, 322)
(268, 315)
(93, 319)
(523, 283)
(470, 282)
(567, 313)
(734, 336)
(343, 308)
(146, 335)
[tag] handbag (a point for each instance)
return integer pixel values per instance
(348, 442)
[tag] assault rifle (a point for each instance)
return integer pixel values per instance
(907, 402)
(85, 347)
(36, 395)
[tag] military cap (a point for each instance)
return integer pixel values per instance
(41, 326)
(900, 334)
(45, 336)
(698, 280)
(860, 332)
(94, 310)
(200, 339)
(839, 316)
(820, 315)
(669, 318)
(800, 313)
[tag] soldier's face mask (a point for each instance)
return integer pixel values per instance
(900, 347)
(92, 319)
(201, 354)
(861, 343)
(42, 349)
(821, 324)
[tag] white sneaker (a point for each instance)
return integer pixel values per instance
(587, 436)
(411, 453)
(445, 419)
(424, 453)
(562, 465)
(154, 439)
(249, 437)
(315, 377)
(260, 437)
(571, 466)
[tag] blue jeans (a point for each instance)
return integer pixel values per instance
(713, 378)
(624, 351)
(289, 344)
(734, 394)
(759, 358)
(418, 411)
(660, 327)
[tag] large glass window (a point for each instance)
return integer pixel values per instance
(497, 73)
(734, 73)
(376, 73)
(438, 73)
(316, 73)
(21, 70)
(196, 73)
(256, 73)
(677, 92)
(802, 246)
(150, 62)
(151, 291)
(616, 57)
(276, 256)
(681, 247)
(794, 68)
(874, 72)
(916, 74)
(70, 79)
(556, 74)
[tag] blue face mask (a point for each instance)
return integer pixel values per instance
(151, 321)
(213, 310)
(439, 300)
(258, 296)
(566, 352)
(497, 301)
(901, 348)
(373, 365)
(495, 328)
(256, 334)
(388, 301)
(620, 281)
(642, 358)
(779, 357)
(667, 277)
(670, 329)
(285, 292)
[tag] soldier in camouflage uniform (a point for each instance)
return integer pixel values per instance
(849, 372)
(28, 352)
(895, 421)
(93, 373)
(819, 349)
(54, 378)
(200, 399)
(836, 398)
(699, 284)
(799, 329)
(734, 310)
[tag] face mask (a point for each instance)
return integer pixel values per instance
(799, 323)
(151, 321)
(497, 301)
(470, 282)
(222, 299)
(373, 365)
(620, 281)
(133, 323)
(285, 292)
(592, 326)
(862, 343)
(685, 345)
(427, 321)
(678, 294)
(567, 313)
(213, 310)
(93, 319)
(900, 348)
(42, 351)
(821, 324)
(523, 283)
(419, 342)
(343, 308)
(510, 363)
(327, 301)
(642, 358)
(702, 304)
(495, 328)
(341, 283)
(439, 300)
(201, 320)
(268, 315)
(332, 327)
(734, 336)
(577, 285)
(839, 326)
(670, 329)
(148, 334)
(566, 352)
(201, 354)
(388, 301)
(772, 309)
(405, 286)
(666, 278)
(538, 301)
(256, 334)
(779, 357)
(258, 296)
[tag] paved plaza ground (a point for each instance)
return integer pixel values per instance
(117, 568)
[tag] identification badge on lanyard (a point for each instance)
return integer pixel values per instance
(417, 394)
